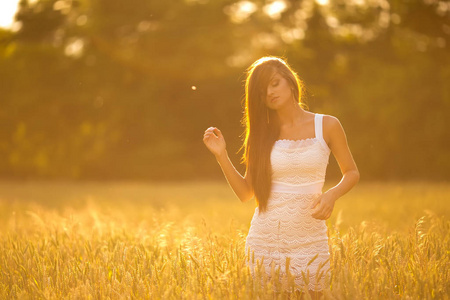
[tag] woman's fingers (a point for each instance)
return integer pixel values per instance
(210, 129)
(214, 141)
(321, 212)
(324, 209)
(207, 139)
(217, 132)
(318, 205)
(208, 135)
(213, 131)
(316, 213)
(315, 202)
(211, 134)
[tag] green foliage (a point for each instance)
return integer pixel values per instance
(103, 89)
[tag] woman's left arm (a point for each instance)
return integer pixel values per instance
(335, 137)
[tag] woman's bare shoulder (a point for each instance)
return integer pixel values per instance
(330, 121)
(331, 127)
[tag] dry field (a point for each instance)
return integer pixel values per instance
(186, 241)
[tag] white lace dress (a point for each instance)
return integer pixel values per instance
(287, 229)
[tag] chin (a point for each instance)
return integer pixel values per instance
(272, 107)
(276, 105)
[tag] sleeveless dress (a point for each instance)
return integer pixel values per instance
(286, 231)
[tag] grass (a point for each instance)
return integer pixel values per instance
(186, 241)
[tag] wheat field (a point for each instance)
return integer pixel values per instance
(186, 241)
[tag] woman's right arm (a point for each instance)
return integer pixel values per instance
(241, 185)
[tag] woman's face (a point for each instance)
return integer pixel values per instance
(279, 92)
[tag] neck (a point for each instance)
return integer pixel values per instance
(290, 114)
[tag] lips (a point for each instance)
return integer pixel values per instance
(273, 99)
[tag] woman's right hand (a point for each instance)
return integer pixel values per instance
(214, 141)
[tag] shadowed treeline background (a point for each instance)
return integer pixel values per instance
(100, 89)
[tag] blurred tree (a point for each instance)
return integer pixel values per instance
(114, 89)
(39, 21)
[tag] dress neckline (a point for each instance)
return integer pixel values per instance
(306, 139)
(295, 141)
(292, 145)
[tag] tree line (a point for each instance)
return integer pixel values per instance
(98, 89)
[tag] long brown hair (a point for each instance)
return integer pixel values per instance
(261, 125)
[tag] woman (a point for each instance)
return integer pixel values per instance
(286, 154)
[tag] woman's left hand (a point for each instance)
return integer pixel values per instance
(326, 204)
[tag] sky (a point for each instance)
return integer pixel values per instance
(7, 11)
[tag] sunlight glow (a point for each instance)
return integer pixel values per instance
(291, 35)
(7, 11)
(265, 40)
(275, 8)
(62, 6)
(239, 60)
(74, 48)
(240, 11)
(332, 21)
(384, 19)
(322, 2)
(82, 20)
(359, 2)
(443, 8)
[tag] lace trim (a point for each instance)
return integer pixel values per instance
(295, 141)
(298, 165)
(295, 144)
(287, 228)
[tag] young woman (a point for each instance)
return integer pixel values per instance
(286, 154)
